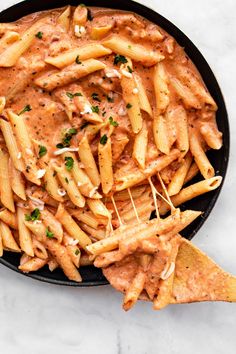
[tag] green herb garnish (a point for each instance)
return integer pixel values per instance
(129, 69)
(113, 122)
(120, 59)
(110, 99)
(95, 109)
(42, 150)
(27, 108)
(39, 35)
(67, 138)
(77, 252)
(77, 60)
(72, 95)
(34, 215)
(128, 105)
(103, 139)
(67, 181)
(69, 163)
(95, 97)
(49, 233)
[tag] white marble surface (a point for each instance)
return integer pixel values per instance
(39, 318)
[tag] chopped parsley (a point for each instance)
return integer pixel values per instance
(67, 138)
(129, 69)
(67, 181)
(77, 252)
(128, 106)
(72, 95)
(103, 139)
(39, 35)
(95, 109)
(49, 233)
(129, 46)
(69, 163)
(95, 97)
(42, 150)
(34, 215)
(110, 99)
(27, 108)
(120, 59)
(113, 122)
(77, 60)
(104, 113)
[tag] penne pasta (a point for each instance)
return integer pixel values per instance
(87, 159)
(23, 138)
(80, 15)
(52, 224)
(84, 216)
(25, 239)
(72, 227)
(100, 32)
(85, 52)
(211, 135)
(2, 103)
(186, 95)
(191, 192)
(105, 165)
(11, 144)
(182, 135)
(6, 194)
(8, 240)
(8, 218)
(134, 51)
(140, 146)
(33, 265)
(74, 253)
(74, 72)
(85, 109)
(192, 172)
(16, 180)
(160, 132)
(199, 155)
(64, 19)
(133, 292)
(99, 209)
(142, 94)
(131, 98)
(178, 178)
(162, 93)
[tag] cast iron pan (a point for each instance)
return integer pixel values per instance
(93, 276)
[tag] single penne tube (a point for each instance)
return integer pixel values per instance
(80, 15)
(33, 265)
(199, 155)
(25, 239)
(192, 172)
(191, 192)
(51, 183)
(11, 144)
(134, 51)
(134, 290)
(182, 135)
(69, 186)
(50, 81)
(138, 176)
(6, 194)
(107, 258)
(87, 51)
(177, 181)
(124, 195)
(52, 264)
(162, 93)
(72, 227)
(211, 134)
(74, 253)
(39, 249)
(98, 32)
(52, 224)
(8, 38)
(105, 165)
(82, 180)
(142, 94)
(23, 138)
(140, 146)
(64, 19)
(2, 103)
(84, 216)
(12, 53)
(87, 159)
(160, 133)
(8, 240)
(85, 108)
(130, 96)
(153, 226)
(16, 180)
(98, 209)
(197, 87)
(96, 234)
(62, 257)
(37, 228)
(8, 218)
(186, 95)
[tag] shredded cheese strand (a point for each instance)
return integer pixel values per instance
(116, 210)
(154, 195)
(166, 193)
(132, 201)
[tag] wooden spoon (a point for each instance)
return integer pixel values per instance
(198, 278)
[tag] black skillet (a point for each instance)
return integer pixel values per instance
(219, 159)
